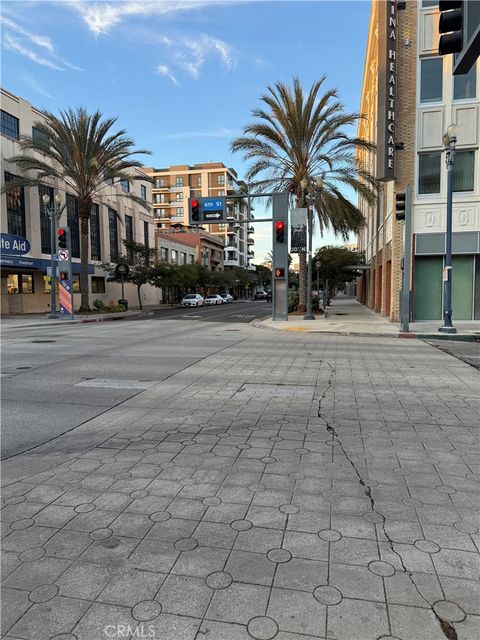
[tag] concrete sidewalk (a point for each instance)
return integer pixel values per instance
(348, 317)
(327, 489)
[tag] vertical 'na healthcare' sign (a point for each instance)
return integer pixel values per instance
(387, 89)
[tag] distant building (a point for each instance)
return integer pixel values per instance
(409, 98)
(25, 286)
(173, 186)
(189, 247)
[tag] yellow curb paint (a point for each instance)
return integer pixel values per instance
(295, 329)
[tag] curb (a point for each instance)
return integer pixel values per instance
(143, 314)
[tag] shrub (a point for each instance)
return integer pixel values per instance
(292, 301)
(98, 305)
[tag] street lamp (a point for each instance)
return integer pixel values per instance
(318, 264)
(309, 199)
(54, 212)
(449, 140)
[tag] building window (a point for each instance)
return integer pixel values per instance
(45, 234)
(174, 256)
(163, 254)
(113, 234)
(95, 251)
(129, 237)
(146, 238)
(429, 172)
(158, 183)
(179, 181)
(143, 191)
(179, 196)
(199, 181)
(220, 192)
(183, 258)
(98, 284)
(125, 186)
(431, 80)
(15, 209)
(39, 137)
(10, 125)
(20, 283)
(191, 259)
(429, 3)
(109, 181)
(220, 179)
(465, 86)
(73, 224)
(179, 211)
(463, 171)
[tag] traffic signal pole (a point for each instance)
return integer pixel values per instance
(407, 262)
(53, 263)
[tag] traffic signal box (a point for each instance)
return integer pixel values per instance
(280, 231)
(450, 26)
(194, 210)
(62, 238)
(279, 272)
(400, 205)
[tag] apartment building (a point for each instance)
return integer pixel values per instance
(25, 285)
(206, 249)
(410, 97)
(173, 186)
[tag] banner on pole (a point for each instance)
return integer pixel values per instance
(298, 239)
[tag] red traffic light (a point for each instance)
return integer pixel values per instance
(279, 272)
(280, 231)
(194, 203)
(63, 275)
(279, 225)
(61, 232)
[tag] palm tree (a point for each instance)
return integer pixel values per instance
(81, 150)
(305, 136)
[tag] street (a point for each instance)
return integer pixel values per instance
(193, 475)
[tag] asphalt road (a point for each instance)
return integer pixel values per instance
(468, 352)
(59, 377)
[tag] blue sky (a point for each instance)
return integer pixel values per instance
(181, 76)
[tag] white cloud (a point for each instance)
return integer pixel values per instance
(191, 54)
(164, 70)
(37, 87)
(9, 42)
(16, 38)
(101, 17)
(212, 133)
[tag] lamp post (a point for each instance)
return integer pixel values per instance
(449, 140)
(53, 211)
(318, 264)
(309, 199)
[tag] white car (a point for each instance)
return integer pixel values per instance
(214, 299)
(226, 297)
(192, 300)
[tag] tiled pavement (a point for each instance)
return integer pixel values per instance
(319, 488)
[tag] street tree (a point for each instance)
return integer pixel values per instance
(337, 267)
(82, 150)
(303, 136)
(141, 260)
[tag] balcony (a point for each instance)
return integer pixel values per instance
(250, 230)
(231, 263)
(250, 240)
(250, 254)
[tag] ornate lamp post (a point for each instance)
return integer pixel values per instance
(449, 140)
(54, 212)
(309, 199)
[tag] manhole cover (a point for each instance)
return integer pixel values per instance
(42, 341)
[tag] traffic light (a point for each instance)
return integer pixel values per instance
(62, 238)
(450, 26)
(279, 272)
(194, 210)
(63, 275)
(400, 203)
(280, 231)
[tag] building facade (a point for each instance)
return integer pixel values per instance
(181, 246)
(173, 186)
(409, 98)
(25, 285)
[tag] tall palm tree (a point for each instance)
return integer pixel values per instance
(81, 150)
(306, 136)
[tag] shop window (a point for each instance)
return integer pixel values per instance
(76, 284)
(15, 209)
(10, 125)
(20, 283)
(429, 172)
(463, 171)
(431, 80)
(465, 86)
(98, 284)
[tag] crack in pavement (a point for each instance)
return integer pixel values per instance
(447, 629)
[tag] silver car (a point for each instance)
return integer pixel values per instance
(214, 299)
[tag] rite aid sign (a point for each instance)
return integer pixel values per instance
(13, 245)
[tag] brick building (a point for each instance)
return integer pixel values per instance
(409, 98)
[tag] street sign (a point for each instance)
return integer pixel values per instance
(122, 270)
(65, 296)
(63, 255)
(298, 241)
(212, 204)
(213, 215)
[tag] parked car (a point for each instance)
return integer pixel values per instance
(260, 295)
(226, 297)
(192, 300)
(214, 299)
